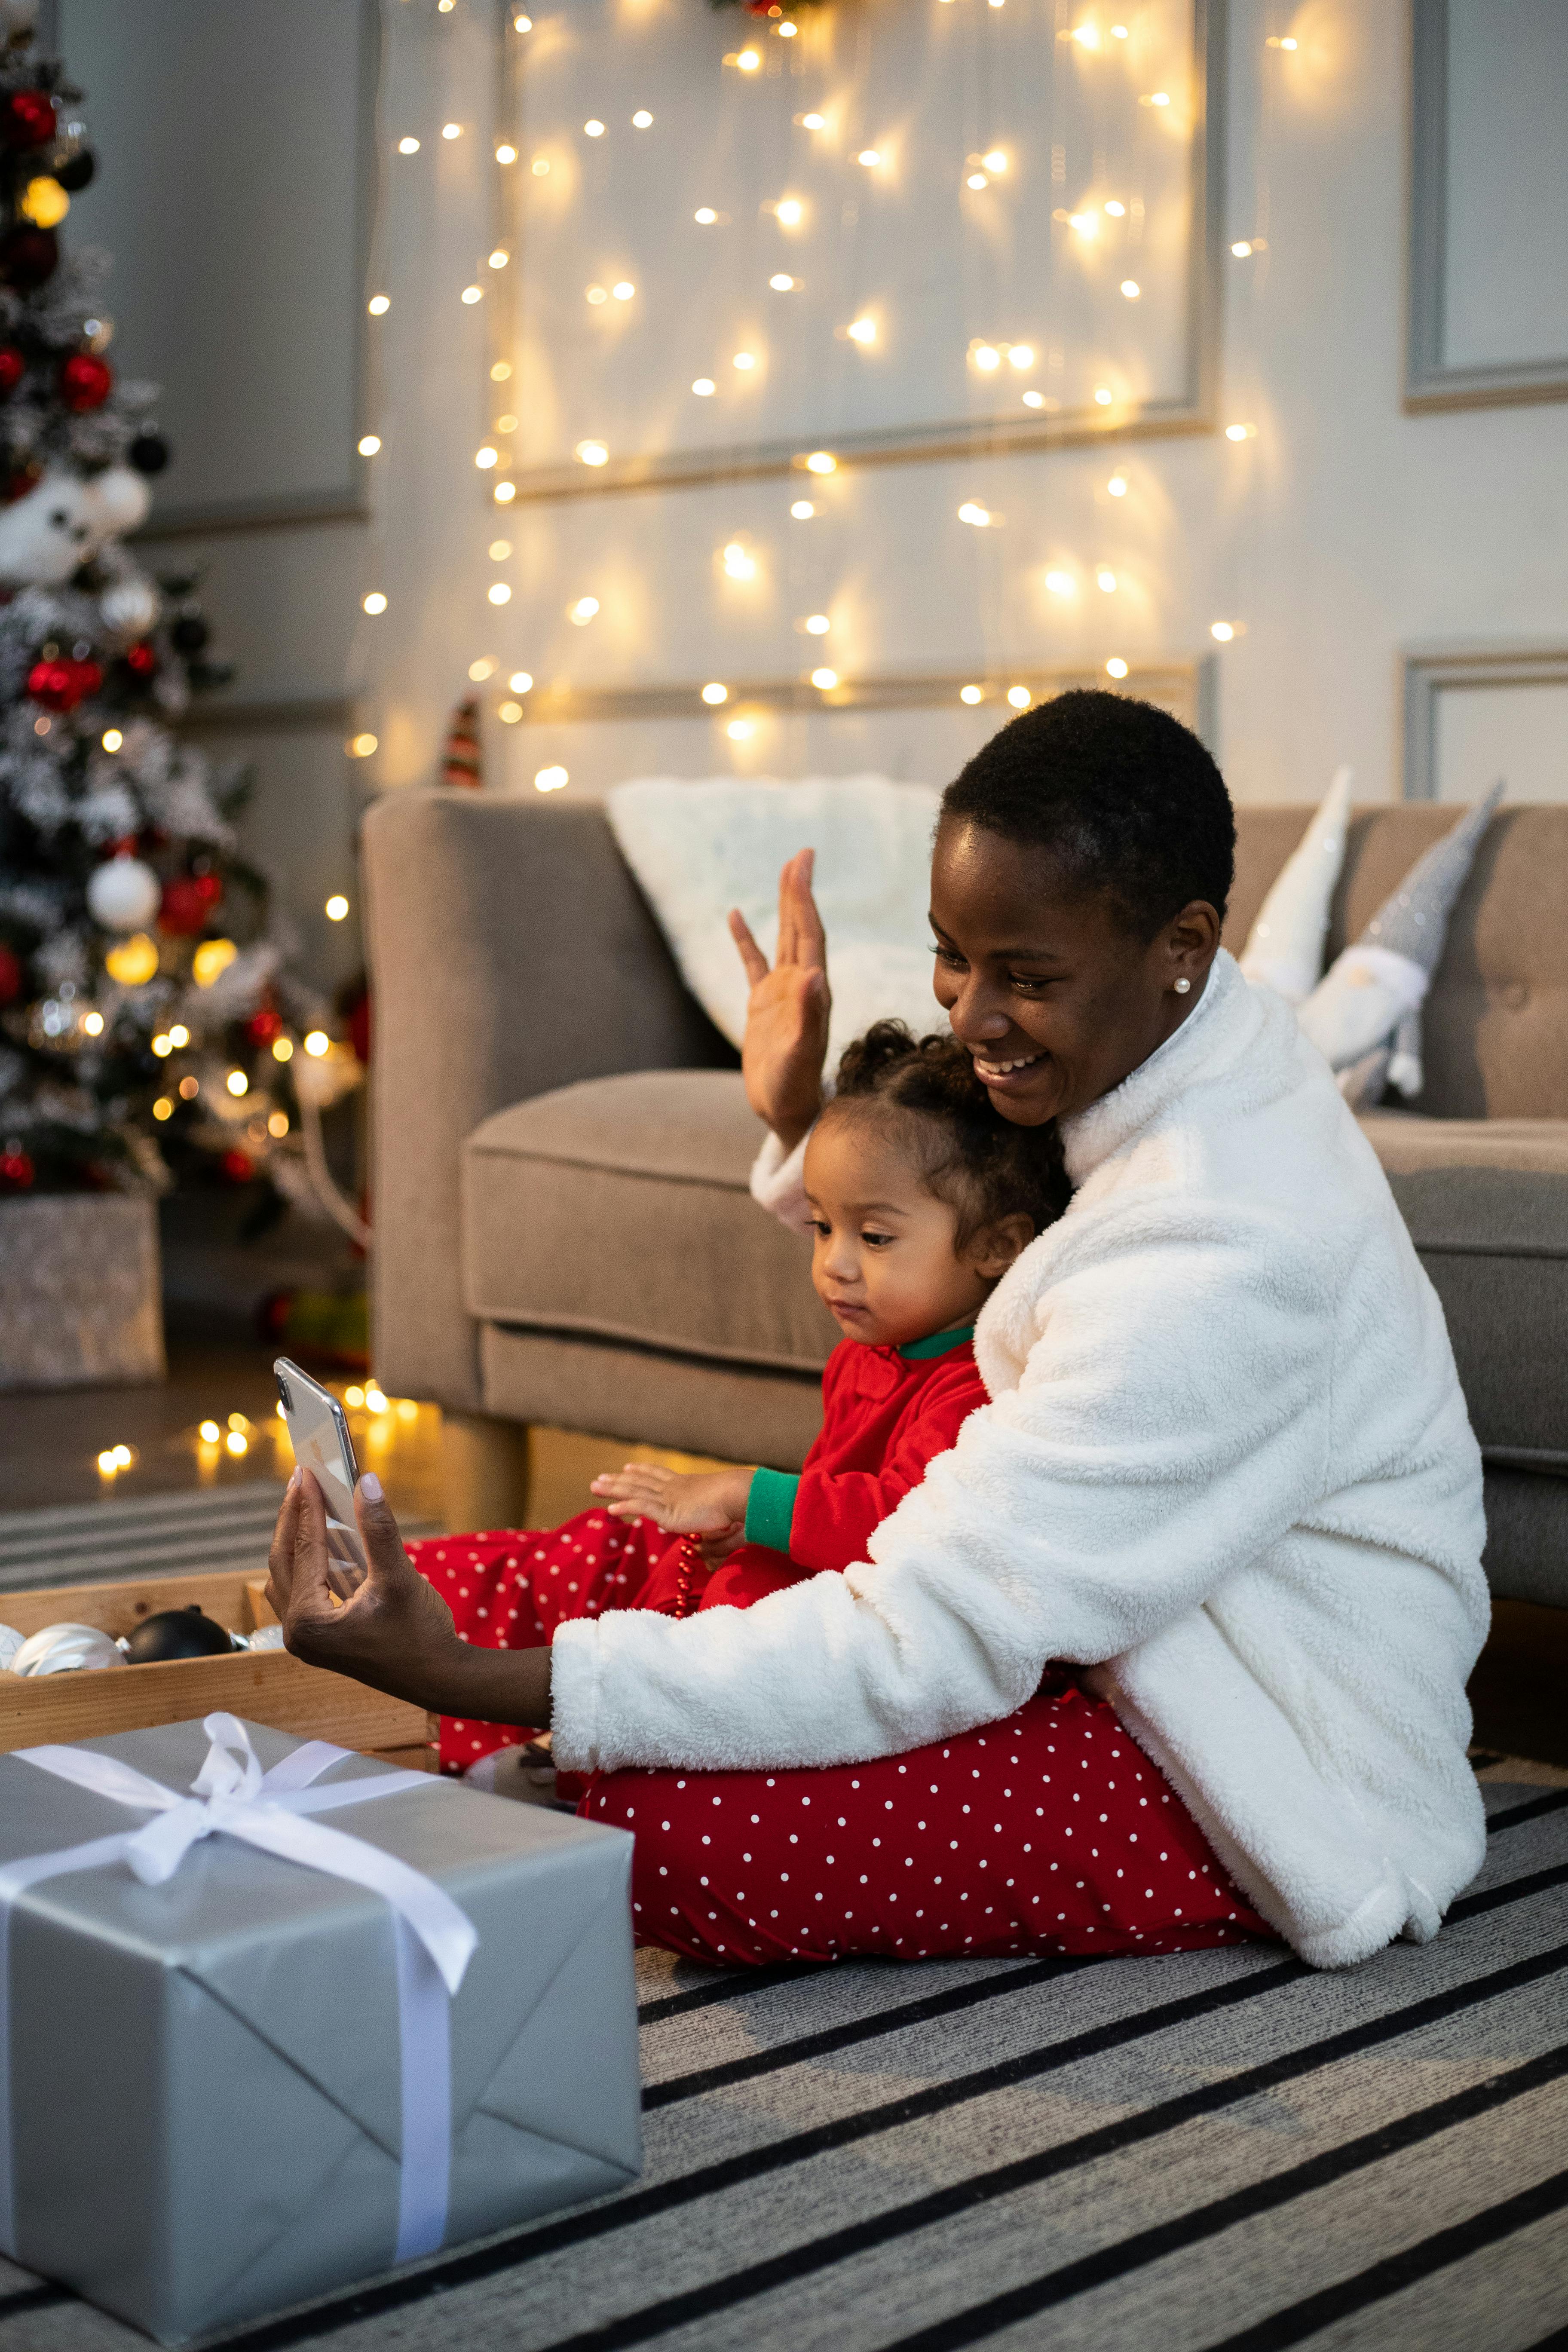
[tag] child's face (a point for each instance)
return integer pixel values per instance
(883, 1259)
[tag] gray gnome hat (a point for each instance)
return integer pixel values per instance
(1413, 920)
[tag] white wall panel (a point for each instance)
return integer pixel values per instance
(1090, 166)
(235, 151)
(1518, 732)
(1505, 288)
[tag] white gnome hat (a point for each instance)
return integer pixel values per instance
(1285, 947)
(1369, 1002)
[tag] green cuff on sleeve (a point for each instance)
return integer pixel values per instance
(770, 1508)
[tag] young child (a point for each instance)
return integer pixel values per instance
(920, 1197)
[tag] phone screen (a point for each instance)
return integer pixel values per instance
(319, 1437)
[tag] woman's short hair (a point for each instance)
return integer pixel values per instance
(969, 1156)
(1123, 795)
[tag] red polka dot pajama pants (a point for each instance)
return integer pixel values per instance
(1047, 1832)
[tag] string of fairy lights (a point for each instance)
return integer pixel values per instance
(1093, 226)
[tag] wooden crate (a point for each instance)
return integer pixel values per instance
(263, 1685)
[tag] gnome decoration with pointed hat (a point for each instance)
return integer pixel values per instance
(461, 762)
(1364, 1015)
(1284, 950)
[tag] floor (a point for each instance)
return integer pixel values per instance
(1220, 2151)
(53, 1442)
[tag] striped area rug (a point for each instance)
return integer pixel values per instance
(146, 1535)
(1213, 2152)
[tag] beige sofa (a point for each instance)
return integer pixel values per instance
(564, 1230)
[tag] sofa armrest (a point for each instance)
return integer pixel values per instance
(510, 952)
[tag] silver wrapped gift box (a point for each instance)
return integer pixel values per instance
(208, 2081)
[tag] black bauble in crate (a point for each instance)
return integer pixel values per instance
(176, 1633)
(189, 634)
(148, 453)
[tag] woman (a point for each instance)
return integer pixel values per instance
(1226, 1472)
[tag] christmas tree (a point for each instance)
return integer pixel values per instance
(149, 1022)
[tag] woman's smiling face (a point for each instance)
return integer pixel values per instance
(1055, 997)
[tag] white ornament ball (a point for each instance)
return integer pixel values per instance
(130, 608)
(64, 1649)
(120, 501)
(47, 534)
(124, 895)
(10, 1642)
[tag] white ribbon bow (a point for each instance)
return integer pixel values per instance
(233, 1797)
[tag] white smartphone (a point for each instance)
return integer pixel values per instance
(319, 1435)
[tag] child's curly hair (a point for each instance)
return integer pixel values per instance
(979, 1163)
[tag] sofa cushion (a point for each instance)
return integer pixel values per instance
(1494, 1029)
(1408, 1144)
(619, 1209)
(1494, 1240)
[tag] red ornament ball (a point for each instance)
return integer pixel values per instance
(61, 685)
(28, 258)
(16, 1172)
(263, 1026)
(85, 382)
(141, 660)
(188, 903)
(13, 979)
(13, 368)
(239, 1166)
(27, 117)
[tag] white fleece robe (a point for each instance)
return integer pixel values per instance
(1226, 1467)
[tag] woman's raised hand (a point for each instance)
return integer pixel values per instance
(785, 1042)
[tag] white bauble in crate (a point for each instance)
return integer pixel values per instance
(130, 607)
(124, 895)
(10, 1642)
(65, 1649)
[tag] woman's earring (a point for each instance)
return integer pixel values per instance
(1183, 987)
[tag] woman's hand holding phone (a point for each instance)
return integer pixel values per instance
(392, 1630)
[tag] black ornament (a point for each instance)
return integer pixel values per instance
(28, 258)
(189, 634)
(148, 453)
(176, 1633)
(76, 170)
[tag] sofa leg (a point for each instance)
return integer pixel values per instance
(484, 1472)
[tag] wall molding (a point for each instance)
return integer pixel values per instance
(1449, 670)
(305, 715)
(1193, 410)
(1430, 381)
(1176, 686)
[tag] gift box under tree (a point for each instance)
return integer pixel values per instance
(314, 2019)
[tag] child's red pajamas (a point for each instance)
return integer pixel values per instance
(886, 1413)
(1048, 1832)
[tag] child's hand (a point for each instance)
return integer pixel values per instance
(711, 1504)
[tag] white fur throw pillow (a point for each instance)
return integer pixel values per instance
(698, 849)
(1285, 947)
(1364, 1015)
